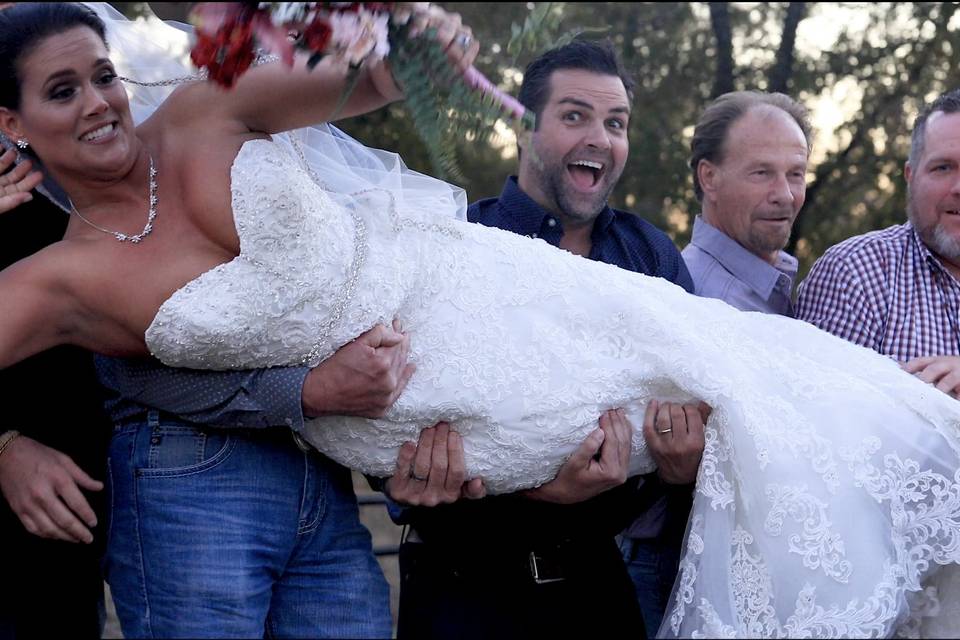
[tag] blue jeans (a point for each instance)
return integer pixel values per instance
(652, 565)
(236, 533)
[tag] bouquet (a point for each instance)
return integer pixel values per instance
(444, 103)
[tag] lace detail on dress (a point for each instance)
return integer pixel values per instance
(818, 544)
(711, 481)
(924, 507)
(687, 575)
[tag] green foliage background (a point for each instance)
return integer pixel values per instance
(905, 55)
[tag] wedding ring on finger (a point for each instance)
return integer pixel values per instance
(413, 474)
(464, 40)
(663, 431)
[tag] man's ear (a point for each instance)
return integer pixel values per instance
(10, 124)
(708, 176)
(523, 140)
(907, 171)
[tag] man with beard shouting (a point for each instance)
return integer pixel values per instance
(544, 563)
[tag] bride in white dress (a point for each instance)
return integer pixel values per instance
(829, 490)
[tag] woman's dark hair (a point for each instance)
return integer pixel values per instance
(24, 25)
(581, 55)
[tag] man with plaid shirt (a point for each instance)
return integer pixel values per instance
(897, 290)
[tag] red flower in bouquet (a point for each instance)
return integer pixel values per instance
(317, 35)
(228, 51)
(351, 34)
(228, 36)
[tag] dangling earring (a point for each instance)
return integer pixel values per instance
(22, 144)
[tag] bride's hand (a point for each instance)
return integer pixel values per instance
(15, 185)
(432, 472)
(586, 474)
(454, 37)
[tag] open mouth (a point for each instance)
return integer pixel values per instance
(99, 133)
(585, 174)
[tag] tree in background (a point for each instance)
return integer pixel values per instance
(878, 61)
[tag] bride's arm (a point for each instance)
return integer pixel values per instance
(38, 311)
(272, 98)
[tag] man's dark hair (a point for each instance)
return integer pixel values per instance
(711, 131)
(23, 26)
(584, 55)
(948, 102)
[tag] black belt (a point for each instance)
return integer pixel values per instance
(542, 562)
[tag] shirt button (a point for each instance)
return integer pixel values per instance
(551, 222)
(533, 235)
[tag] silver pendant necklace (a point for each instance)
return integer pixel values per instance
(151, 214)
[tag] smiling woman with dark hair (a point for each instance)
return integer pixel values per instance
(269, 525)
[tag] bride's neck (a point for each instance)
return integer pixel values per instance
(95, 192)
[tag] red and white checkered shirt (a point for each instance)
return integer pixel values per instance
(886, 291)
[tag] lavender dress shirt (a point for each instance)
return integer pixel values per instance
(722, 268)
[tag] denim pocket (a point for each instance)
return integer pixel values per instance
(179, 449)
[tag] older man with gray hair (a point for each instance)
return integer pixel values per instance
(897, 290)
(749, 159)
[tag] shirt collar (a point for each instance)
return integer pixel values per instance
(529, 218)
(753, 271)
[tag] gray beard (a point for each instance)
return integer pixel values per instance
(934, 236)
(942, 243)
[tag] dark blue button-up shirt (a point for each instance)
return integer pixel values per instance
(618, 237)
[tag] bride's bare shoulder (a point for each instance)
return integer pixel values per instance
(194, 117)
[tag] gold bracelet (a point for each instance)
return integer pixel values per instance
(6, 438)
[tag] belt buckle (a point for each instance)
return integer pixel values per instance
(301, 443)
(543, 570)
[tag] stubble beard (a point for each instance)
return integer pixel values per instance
(767, 243)
(770, 242)
(556, 189)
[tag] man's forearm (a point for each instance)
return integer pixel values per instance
(249, 399)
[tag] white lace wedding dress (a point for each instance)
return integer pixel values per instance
(829, 486)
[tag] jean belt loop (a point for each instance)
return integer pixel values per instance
(153, 418)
